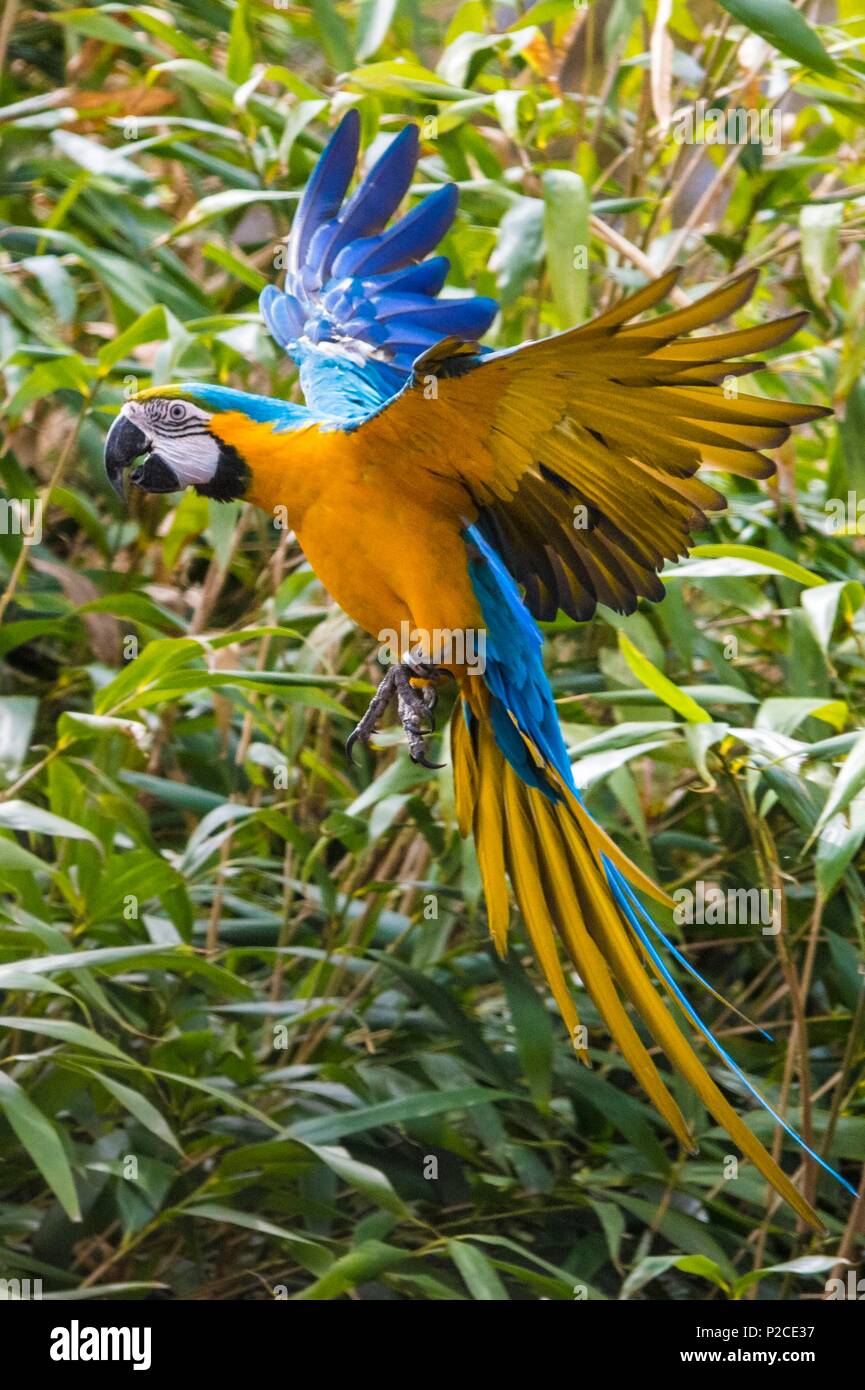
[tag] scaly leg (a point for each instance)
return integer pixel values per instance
(415, 705)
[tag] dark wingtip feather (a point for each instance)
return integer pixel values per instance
(807, 413)
(791, 324)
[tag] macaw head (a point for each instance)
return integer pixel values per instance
(212, 438)
(167, 438)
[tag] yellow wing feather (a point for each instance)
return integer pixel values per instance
(576, 453)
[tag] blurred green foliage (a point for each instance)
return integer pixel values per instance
(254, 1042)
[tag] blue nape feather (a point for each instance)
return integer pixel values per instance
(284, 414)
(519, 686)
(345, 397)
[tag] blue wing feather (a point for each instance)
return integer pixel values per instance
(409, 239)
(326, 187)
(370, 208)
(360, 300)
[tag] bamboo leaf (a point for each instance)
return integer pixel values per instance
(781, 24)
(660, 685)
(41, 1140)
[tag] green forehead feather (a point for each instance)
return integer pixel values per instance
(150, 391)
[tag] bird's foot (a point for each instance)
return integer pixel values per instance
(415, 705)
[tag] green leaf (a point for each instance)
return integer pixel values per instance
(463, 1029)
(97, 159)
(21, 815)
(222, 1094)
(81, 1294)
(848, 783)
(237, 268)
(28, 983)
(146, 328)
(74, 726)
(820, 230)
(647, 1269)
(630, 1116)
(566, 233)
(69, 373)
(595, 767)
(654, 1265)
(14, 859)
(229, 200)
(156, 659)
(170, 34)
(56, 282)
(366, 1262)
(239, 60)
(403, 77)
(373, 23)
(784, 714)
(38, 1136)
(769, 560)
(418, 1106)
(689, 1234)
(333, 34)
(308, 1253)
(533, 1029)
(80, 960)
(804, 1265)
(65, 1031)
(519, 247)
(138, 1106)
(824, 603)
(17, 717)
(706, 1268)
(661, 685)
(362, 1177)
(96, 25)
(781, 24)
(479, 1275)
(837, 845)
(613, 1224)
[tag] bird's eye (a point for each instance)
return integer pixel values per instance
(177, 411)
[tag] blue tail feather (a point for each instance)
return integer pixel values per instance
(633, 910)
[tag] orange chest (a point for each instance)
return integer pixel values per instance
(383, 535)
(290, 471)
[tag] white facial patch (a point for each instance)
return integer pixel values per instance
(179, 433)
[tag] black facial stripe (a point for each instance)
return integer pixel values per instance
(231, 478)
(174, 418)
(179, 428)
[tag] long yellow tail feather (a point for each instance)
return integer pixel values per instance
(553, 853)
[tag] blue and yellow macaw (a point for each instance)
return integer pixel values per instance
(458, 490)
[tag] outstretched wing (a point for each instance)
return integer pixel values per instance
(578, 453)
(359, 303)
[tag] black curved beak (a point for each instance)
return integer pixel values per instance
(124, 444)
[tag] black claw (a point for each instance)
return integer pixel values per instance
(422, 761)
(415, 707)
